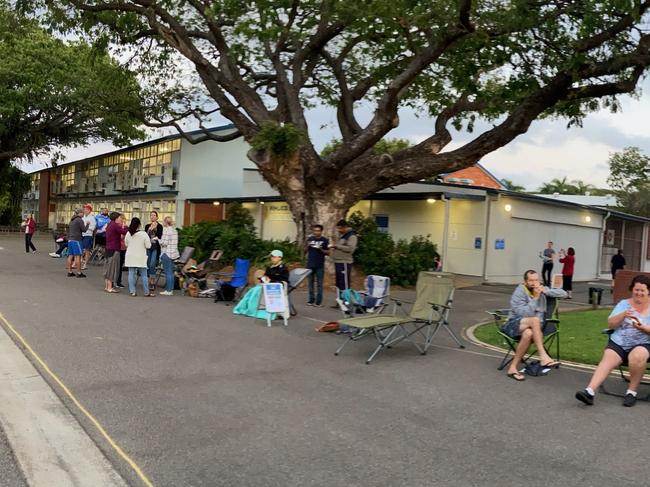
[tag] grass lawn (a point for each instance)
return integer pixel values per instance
(581, 339)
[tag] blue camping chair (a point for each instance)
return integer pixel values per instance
(238, 282)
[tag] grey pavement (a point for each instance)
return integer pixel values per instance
(199, 397)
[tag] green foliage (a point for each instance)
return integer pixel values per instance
(378, 253)
(280, 140)
(511, 186)
(629, 171)
(56, 94)
(13, 185)
(237, 237)
(563, 186)
(384, 146)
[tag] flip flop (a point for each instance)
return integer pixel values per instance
(552, 363)
(518, 376)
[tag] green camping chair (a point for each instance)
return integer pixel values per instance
(430, 312)
(550, 329)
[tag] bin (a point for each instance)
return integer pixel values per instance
(595, 295)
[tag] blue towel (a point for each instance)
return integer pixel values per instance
(248, 305)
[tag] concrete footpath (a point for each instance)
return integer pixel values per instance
(199, 397)
(48, 444)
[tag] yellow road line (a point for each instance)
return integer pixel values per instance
(80, 406)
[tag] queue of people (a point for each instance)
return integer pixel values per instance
(125, 244)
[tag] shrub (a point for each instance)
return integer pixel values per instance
(377, 252)
(237, 237)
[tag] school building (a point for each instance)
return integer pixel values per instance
(480, 228)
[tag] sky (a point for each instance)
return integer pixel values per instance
(548, 150)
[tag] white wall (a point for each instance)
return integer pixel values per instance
(528, 227)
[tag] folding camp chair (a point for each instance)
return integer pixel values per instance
(296, 277)
(239, 280)
(624, 377)
(201, 270)
(550, 329)
(373, 299)
(428, 313)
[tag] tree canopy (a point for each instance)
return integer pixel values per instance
(512, 186)
(629, 171)
(56, 94)
(563, 186)
(261, 62)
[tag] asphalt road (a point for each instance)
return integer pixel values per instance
(199, 397)
(10, 474)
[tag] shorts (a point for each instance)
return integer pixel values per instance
(621, 352)
(74, 247)
(87, 242)
(511, 327)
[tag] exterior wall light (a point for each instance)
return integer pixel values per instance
(261, 203)
(508, 208)
(588, 219)
(216, 203)
(431, 200)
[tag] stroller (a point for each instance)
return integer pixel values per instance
(373, 299)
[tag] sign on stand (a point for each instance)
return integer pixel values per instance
(276, 301)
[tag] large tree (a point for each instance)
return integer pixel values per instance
(56, 94)
(262, 63)
(630, 178)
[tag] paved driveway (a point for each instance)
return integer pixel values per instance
(199, 397)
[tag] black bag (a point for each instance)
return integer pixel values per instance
(226, 292)
(535, 369)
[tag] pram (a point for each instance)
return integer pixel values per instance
(373, 299)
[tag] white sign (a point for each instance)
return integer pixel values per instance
(274, 297)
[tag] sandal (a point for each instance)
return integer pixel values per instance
(551, 364)
(111, 290)
(518, 376)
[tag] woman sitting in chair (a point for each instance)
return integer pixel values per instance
(629, 342)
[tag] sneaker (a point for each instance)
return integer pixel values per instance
(318, 305)
(33, 251)
(310, 304)
(166, 293)
(133, 294)
(119, 286)
(54, 254)
(70, 274)
(81, 274)
(629, 400)
(585, 397)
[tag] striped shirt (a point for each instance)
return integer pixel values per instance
(169, 242)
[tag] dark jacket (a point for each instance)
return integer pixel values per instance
(278, 273)
(76, 228)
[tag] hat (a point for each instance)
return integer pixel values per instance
(88, 206)
(277, 253)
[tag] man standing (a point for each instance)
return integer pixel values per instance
(88, 235)
(547, 256)
(75, 234)
(316, 248)
(526, 321)
(342, 255)
(618, 264)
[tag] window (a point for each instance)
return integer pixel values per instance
(382, 223)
